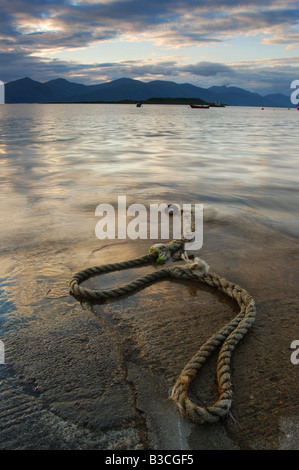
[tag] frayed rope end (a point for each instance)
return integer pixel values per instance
(196, 264)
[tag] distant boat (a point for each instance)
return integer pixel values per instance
(217, 104)
(200, 106)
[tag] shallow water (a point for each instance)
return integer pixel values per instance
(58, 162)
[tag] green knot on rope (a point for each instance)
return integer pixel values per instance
(164, 251)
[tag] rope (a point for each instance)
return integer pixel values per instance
(228, 337)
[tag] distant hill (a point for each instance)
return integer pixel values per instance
(26, 90)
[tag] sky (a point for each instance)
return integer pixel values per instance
(249, 44)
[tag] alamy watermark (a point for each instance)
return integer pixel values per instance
(295, 94)
(187, 222)
(2, 93)
(295, 354)
(2, 353)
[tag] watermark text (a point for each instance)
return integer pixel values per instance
(295, 94)
(143, 224)
(295, 354)
(2, 93)
(2, 353)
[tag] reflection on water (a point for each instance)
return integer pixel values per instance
(56, 158)
(58, 162)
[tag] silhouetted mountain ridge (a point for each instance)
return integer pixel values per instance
(26, 90)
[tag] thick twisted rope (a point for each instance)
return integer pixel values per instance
(229, 336)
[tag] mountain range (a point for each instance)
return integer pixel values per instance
(26, 90)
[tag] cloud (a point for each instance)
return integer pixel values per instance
(262, 76)
(208, 69)
(175, 23)
(32, 31)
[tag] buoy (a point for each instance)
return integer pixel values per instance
(262, 108)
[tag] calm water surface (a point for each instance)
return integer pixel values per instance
(58, 158)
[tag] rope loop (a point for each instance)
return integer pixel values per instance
(226, 338)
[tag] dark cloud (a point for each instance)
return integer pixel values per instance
(264, 77)
(208, 69)
(71, 24)
(31, 27)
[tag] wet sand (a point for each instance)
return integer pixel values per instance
(78, 377)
